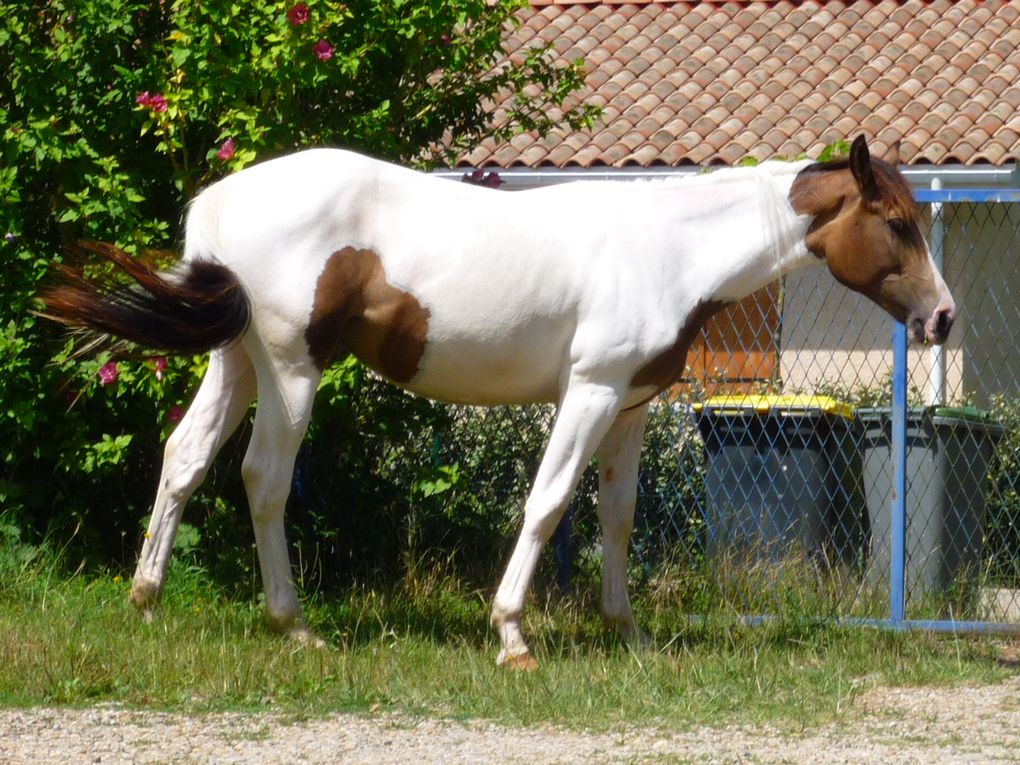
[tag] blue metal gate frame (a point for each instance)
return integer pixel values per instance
(897, 591)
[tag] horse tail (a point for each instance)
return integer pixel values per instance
(191, 308)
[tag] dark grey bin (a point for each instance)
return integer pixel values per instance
(781, 480)
(948, 453)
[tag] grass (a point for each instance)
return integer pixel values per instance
(426, 648)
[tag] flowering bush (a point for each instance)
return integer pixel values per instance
(114, 112)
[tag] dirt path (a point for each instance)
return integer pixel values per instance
(961, 725)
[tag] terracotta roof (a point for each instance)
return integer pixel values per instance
(713, 83)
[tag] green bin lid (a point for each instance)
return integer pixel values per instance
(781, 404)
(976, 420)
(962, 413)
(941, 416)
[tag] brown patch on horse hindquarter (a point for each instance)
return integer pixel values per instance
(668, 366)
(356, 307)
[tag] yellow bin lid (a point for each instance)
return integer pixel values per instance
(740, 404)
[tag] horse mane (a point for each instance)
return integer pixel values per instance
(896, 192)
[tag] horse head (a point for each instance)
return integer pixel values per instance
(866, 228)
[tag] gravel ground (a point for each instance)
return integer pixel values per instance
(886, 725)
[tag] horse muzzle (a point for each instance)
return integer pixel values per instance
(935, 329)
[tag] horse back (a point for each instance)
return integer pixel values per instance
(453, 291)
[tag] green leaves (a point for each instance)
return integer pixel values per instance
(114, 112)
(439, 481)
(109, 450)
(835, 150)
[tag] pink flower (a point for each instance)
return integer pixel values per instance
(108, 373)
(226, 150)
(298, 14)
(156, 103)
(175, 414)
(160, 367)
(323, 50)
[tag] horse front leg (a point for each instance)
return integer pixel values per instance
(619, 458)
(219, 406)
(585, 414)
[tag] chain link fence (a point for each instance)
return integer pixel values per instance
(768, 473)
(796, 495)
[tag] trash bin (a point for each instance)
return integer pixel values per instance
(948, 453)
(782, 478)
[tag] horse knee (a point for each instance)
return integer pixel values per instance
(179, 485)
(267, 484)
(251, 474)
(616, 527)
(184, 466)
(542, 513)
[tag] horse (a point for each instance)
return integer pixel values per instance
(586, 295)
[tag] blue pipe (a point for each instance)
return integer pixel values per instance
(897, 572)
(956, 196)
(947, 626)
(934, 625)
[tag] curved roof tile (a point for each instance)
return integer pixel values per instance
(712, 83)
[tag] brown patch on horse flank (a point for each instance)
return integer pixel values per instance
(357, 308)
(668, 367)
(609, 475)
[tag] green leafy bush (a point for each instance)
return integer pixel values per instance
(1002, 523)
(112, 114)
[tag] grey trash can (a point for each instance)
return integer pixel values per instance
(781, 479)
(948, 454)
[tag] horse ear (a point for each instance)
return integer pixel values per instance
(860, 166)
(892, 155)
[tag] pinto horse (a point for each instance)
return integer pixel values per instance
(586, 295)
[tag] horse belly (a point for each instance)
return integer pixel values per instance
(525, 368)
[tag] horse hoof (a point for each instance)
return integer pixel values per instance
(305, 638)
(522, 662)
(144, 596)
(641, 641)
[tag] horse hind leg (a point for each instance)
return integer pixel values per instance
(286, 391)
(221, 402)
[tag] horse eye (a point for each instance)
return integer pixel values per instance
(898, 225)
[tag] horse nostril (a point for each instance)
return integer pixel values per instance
(943, 322)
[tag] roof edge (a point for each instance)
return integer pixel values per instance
(983, 175)
(543, 3)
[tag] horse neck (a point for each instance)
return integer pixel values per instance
(755, 236)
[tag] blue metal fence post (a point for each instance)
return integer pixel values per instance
(897, 573)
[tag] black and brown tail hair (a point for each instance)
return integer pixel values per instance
(190, 309)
